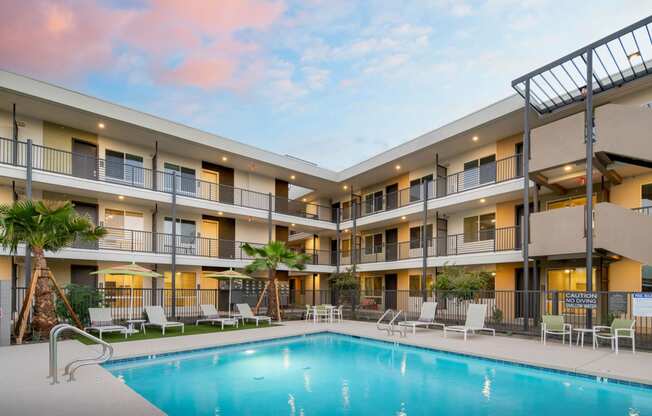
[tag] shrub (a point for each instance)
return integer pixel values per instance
(81, 298)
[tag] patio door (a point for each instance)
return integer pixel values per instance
(210, 237)
(84, 159)
(391, 244)
(391, 285)
(81, 275)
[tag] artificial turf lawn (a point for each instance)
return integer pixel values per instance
(153, 332)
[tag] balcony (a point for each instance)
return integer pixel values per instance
(619, 130)
(50, 160)
(486, 241)
(489, 174)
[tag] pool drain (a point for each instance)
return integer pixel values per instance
(307, 368)
(259, 378)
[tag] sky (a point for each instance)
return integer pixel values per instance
(333, 82)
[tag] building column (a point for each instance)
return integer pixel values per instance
(526, 205)
(588, 217)
(354, 230)
(424, 242)
(173, 267)
(269, 218)
(28, 196)
(338, 240)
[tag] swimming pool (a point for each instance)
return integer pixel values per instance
(331, 374)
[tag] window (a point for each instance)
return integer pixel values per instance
(186, 179)
(647, 279)
(373, 202)
(125, 167)
(415, 236)
(373, 244)
(646, 195)
(128, 220)
(479, 228)
(186, 230)
(479, 171)
(415, 284)
(416, 187)
(568, 202)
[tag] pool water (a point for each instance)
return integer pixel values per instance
(330, 374)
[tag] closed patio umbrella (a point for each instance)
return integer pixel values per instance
(129, 269)
(228, 275)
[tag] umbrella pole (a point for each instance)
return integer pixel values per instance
(230, 280)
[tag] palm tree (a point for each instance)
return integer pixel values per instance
(45, 226)
(269, 257)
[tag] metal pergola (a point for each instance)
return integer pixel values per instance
(611, 62)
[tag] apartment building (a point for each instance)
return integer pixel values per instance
(183, 200)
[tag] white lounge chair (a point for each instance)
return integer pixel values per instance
(246, 314)
(475, 316)
(426, 318)
(101, 321)
(209, 314)
(156, 317)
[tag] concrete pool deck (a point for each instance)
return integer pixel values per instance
(24, 389)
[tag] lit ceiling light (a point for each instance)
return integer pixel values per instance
(397, 167)
(293, 177)
(292, 225)
(493, 220)
(633, 56)
(304, 200)
(403, 217)
(224, 158)
(100, 125)
(482, 200)
(493, 273)
(568, 168)
(345, 187)
(567, 271)
(220, 213)
(121, 197)
(250, 219)
(346, 231)
(475, 138)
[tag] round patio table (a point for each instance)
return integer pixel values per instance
(580, 334)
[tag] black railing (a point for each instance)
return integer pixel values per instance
(79, 165)
(509, 311)
(484, 241)
(643, 210)
(484, 175)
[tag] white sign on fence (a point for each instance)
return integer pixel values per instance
(642, 304)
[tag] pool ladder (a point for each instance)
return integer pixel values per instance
(71, 367)
(391, 327)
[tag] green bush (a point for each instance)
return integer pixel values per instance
(497, 316)
(462, 283)
(344, 281)
(81, 298)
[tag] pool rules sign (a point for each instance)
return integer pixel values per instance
(642, 304)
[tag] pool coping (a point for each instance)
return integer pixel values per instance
(581, 374)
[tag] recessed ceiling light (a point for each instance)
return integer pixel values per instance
(121, 197)
(220, 213)
(397, 167)
(493, 273)
(293, 177)
(224, 158)
(403, 217)
(475, 138)
(292, 225)
(568, 168)
(304, 200)
(346, 231)
(567, 271)
(100, 125)
(482, 200)
(345, 187)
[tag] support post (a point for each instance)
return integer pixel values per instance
(588, 139)
(14, 135)
(28, 196)
(269, 218)
(526, 206)
(535, 208)
(174, 245)
(338, 240)
(424, 242)
(354, 230)
(154, 167)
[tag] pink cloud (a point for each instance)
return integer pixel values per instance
(69, 38)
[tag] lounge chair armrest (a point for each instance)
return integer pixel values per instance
(627, 332)
(568, 327)
(600, 327)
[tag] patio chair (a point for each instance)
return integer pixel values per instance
(554, 325)
(620, 328)
(246, 313)
(426, 318)
(156, 317)
(308, 312)
(475, 316)
(102, 321)
(337, 313)
(209, 314)
(322, 312)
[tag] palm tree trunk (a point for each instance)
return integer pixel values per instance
(272, 305)
(45, 316)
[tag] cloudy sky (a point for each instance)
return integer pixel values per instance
(332, 81)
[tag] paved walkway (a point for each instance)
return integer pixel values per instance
(24, 388)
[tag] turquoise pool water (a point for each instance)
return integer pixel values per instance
(329, 374)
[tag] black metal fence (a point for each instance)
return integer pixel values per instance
(508, 311)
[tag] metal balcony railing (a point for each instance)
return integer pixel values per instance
(62, 162)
